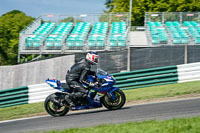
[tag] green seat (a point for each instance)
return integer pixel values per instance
(121, 38)
(185, 40)
(71, 44)
(154, 32)
(28, 44)
(168, 23)
(197, 40)
(118, 37)
(194, 23)
(100, 38)
(100, 43)
(58, 33)
(91, 43)
(97, 36)
(113, 43)
(176, 41)
(79, 44)
(36, 44)
(155, 41)
(29, 41)
(40, 32)
(158, 23)
(58, 44)
(196, 35)
(163, 38)
(49, 44)
(175, 23)
(121, 43)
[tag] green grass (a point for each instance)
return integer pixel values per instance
(21, 111)
(131, 95)
(178, 125)
(170, 90)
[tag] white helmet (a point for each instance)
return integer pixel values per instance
(92, 57)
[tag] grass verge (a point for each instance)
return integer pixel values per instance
(178, 125)
(148, 93)
(21, 111)
(163, 91)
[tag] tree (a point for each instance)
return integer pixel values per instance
(11, 24)
(139, 7)
(109, 4)
(71, 19)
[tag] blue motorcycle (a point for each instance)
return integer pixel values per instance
(104, 93)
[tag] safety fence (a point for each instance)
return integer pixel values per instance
(124, 80)
(39, 92)
(15, 96)
(188, 72)
(146, 77)
(25, 95)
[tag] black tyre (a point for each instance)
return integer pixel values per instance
(118, 103)
(53, 109)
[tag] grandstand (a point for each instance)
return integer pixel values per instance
(178, 28)
(58, 34)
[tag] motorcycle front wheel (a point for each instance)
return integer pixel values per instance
(117, 103)
(54, 109)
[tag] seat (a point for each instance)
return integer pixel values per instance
(71, 44)
(98, 34)
(36, 44)
(113, 43)
(91, 43)
(197, 40)
(155, 41)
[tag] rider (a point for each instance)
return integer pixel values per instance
(76, 75)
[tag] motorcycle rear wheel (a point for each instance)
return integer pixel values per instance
(118, 103)
(53, 109)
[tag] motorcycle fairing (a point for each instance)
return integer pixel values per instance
(56, 85)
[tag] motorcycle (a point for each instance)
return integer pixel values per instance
(103, 94)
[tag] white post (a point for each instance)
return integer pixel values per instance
(129, 51)
(129, 59)
(186, 54)
(130, 13)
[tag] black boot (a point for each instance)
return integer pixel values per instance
(68, 99)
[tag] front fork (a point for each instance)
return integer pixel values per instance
(111, 94)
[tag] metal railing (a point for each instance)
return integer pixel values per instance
(171, 16)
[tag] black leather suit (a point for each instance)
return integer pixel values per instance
(77, 75)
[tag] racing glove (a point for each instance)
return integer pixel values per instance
(91, 84)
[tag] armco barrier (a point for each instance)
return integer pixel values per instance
(15, 96)
(38, 93)
(188, 72)
(146, 77)
(124, 80)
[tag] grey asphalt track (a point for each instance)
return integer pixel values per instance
(152, 111)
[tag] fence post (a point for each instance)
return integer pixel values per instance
(186, 54)
(129, 59)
